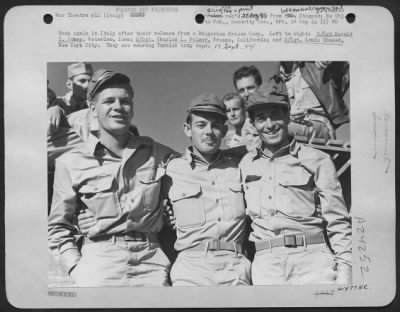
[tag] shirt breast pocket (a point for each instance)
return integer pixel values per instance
(237, 200)
(99, 197)
(188, 205)
(296, 192)
(150, 181)
(252, 192)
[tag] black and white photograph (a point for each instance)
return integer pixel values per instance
(238, 172)
(233, 156)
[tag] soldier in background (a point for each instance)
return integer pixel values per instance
(236, 115)
(79, 75)
(316, 91)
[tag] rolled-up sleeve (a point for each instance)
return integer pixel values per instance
(334, 210)
(60, 226)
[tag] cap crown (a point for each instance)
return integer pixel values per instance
(101, 78)
(207, 102)
(79, 68)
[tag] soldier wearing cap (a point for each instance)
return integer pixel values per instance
(247, 79)
(301, 227)
(116, 176)
(78, 80)
(205, 191)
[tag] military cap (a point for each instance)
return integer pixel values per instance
(102, 78)
(207, 102)
(79, 68)
(273, 92)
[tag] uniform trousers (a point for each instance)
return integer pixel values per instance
(121, 263)
(314, 264)
(211, 268)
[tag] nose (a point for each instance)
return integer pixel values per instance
(269, 123)
(117, 104)
(85, 84)
(208, 129)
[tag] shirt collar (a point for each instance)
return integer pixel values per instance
(192, 158)
(134, 142)
(292, 148)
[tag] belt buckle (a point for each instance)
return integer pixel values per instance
(289, 241)
(132, 237)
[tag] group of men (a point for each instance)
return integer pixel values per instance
(120, 189)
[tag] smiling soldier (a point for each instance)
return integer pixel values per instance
(117, 177)
(301, 227)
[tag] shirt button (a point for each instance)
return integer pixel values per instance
(269, 197)
(272, 213)
(219, 219)
(213, 183)
(270, 178)
(183, 194)
(217, 200)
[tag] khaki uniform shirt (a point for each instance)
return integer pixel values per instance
(207, 199)
(122, 193)
(295, 191)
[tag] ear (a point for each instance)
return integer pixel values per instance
(69, 84)
(92, 108)
(187, 129)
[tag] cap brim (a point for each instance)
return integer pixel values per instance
(208, 110)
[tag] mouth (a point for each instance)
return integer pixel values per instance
(209, 141)
(272, 132)
(119, 117)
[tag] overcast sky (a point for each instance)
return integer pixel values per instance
(163, 91)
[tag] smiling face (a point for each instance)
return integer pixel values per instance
(245, 86)
(235, 112)
(206, 131)
(271, 123)
(113, 108)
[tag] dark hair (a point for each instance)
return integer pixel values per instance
(231, 96)
(246, 71)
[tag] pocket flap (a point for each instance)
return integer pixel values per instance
(97, 185)
(252, 178)
(150, 177)
(296, 178)
(184, 192)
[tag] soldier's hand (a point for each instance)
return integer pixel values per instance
(54, 117)
(169, 216)
(86, 220)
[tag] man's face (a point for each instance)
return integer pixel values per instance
(113, 108)
(206, 131)
(245, 86)
(79, 84)
(271, 123)
(235, 112)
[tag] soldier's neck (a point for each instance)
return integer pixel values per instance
(116, 143)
